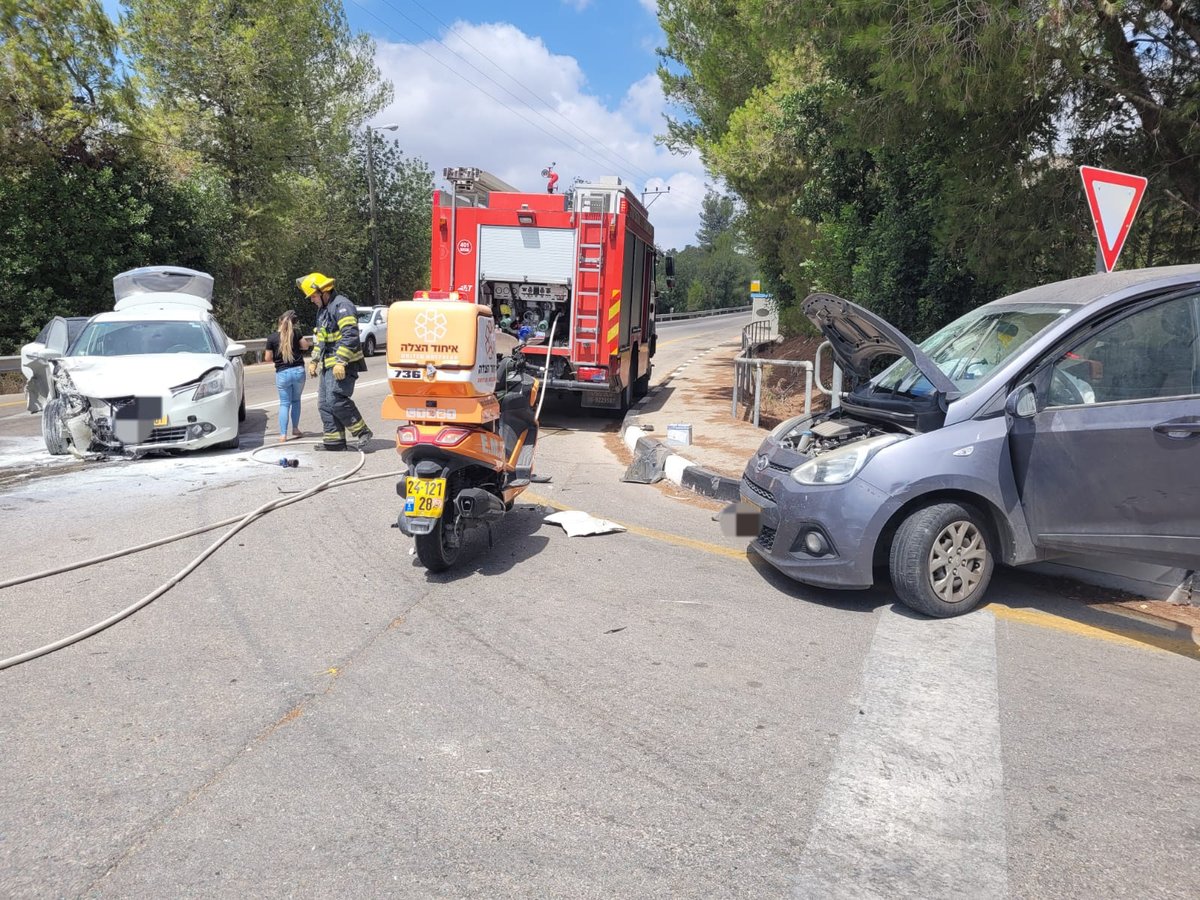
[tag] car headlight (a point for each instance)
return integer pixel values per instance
(839, 466)
(212, 383)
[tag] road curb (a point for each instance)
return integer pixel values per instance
(678, 469)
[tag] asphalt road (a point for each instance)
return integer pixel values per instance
(640, 714)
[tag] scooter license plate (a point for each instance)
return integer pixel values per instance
(424, 496)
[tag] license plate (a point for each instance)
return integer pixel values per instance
(600, 400)
(160, 422)
(424, 497)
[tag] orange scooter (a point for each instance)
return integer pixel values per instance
(470, 423)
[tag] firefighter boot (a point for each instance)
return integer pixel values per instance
(361, 433)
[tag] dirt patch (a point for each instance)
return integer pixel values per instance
(1180, 614)
(1116, 600)
(782, 387)
(12, 383)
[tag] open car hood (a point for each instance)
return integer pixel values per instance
(858, 336)
(105, 377)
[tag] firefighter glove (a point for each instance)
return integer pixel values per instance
(339, 371)
(312, 368)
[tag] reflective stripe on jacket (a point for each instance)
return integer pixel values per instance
(336, 336)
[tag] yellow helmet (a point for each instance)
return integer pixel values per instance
(310, 284)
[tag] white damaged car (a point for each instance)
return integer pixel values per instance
(156, 373)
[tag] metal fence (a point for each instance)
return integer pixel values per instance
(748, 378)
(756, 334)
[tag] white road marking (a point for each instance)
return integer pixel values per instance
(311, 395)
(914, 806)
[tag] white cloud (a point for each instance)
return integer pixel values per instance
(515, 129)
(581, 5)
(651, 6)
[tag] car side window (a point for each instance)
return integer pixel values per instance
(1150, 354)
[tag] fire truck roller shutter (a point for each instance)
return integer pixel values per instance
(524, 253)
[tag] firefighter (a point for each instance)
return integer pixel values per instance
(337, 358)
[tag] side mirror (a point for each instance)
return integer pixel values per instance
(234, 350)
(45, 354)
(1022, 402)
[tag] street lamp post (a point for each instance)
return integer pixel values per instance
(371, 129)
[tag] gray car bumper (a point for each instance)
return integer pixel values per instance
(847, 517)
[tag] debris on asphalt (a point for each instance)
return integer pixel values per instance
(577, 523)
(648, 463)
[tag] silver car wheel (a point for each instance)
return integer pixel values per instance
(957, 562)
(941, 559)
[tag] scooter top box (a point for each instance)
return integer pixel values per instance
(440, 342)
(441, 360)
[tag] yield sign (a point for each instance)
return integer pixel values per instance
(1114, 198)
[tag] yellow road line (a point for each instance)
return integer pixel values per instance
(1142, 640)
(1124, 637)
(676, 539)
(13, 403)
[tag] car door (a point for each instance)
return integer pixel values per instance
(38, 388)
(1109, 459)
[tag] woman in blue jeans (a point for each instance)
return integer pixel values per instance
(286, 349)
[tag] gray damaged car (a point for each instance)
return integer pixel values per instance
(1062, 419)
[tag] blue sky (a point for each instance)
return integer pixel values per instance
(513, 86)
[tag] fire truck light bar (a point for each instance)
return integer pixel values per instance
(472, 180)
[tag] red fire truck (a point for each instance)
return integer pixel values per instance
(578, 265)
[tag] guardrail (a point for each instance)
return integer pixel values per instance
(702, 313)
(256, 345)
(13, 363)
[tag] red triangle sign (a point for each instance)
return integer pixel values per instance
(1114, 198)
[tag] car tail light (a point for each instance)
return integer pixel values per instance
(451, 436)
(408, 435)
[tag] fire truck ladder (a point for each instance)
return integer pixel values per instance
(588, 274)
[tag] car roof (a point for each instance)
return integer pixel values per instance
(1090, 288)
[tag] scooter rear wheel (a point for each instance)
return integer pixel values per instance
(432, 549)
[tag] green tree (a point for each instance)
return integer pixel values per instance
(263, 98)
(920, 155)
(80, 200)
(57, 77)
(717, 214)
(68, 226)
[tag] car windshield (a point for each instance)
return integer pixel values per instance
(969, 348)
(130, 338)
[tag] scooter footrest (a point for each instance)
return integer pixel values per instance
(518, 483)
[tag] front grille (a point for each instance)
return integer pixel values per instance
(779, 468)
(167, 435)
(766, 537)
(754, 488)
